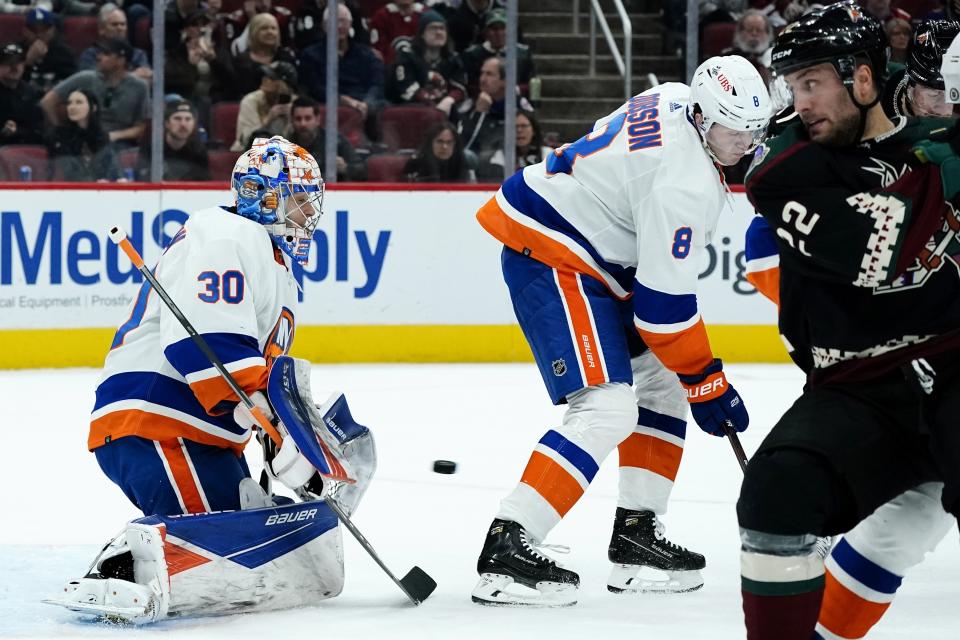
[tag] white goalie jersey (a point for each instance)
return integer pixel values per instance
(236, 288)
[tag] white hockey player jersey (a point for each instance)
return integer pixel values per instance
(633, 204)
(236, 289)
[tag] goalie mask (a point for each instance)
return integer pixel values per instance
(278, 184)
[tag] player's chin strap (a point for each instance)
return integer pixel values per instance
(863, 109)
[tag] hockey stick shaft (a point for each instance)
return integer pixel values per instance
(419, 583)
(119, 237)
(416, 595)
(737, 447)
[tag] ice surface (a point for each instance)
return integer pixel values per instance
(58, 508)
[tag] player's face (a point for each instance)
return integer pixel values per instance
(729, 145)
(929, 102)
(301, 208)
(824, 105)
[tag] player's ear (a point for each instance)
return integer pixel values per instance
(864, 86)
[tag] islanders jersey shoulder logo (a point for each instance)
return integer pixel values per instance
(281, 337)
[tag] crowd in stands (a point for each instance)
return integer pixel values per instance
(749, 28)
(421, 87)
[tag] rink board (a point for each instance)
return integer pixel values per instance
(397, 274)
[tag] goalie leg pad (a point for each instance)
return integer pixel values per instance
(217, 563)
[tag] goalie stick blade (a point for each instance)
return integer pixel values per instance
(418, 585)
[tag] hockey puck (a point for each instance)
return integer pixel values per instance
(444, 466)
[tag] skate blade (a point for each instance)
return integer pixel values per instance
(626, 578)
(492, 590)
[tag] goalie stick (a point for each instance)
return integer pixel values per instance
(417, 585)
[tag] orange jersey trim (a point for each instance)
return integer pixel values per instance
(653, 454)
(685, 352)
(181, 475)
(213, 391)
(585, 338)
(846, 614)
(552, 482)
(538, 246)
(152, 426)
(767, 283)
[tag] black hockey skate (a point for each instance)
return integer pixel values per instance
(508, 557)
(637, 544)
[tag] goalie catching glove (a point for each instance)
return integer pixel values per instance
(713, 401)
(288, 465)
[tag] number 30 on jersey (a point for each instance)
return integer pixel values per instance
(227, 287)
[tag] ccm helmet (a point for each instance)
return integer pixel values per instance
(836, 34)
(925, 53)
(839, 34)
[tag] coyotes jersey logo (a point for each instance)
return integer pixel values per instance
(931, 258)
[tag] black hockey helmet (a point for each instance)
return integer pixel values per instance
(837, 34)
(925, 53)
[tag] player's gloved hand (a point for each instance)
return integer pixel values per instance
(242, 416)
(290, 467)
(943, 149)
(713, 401)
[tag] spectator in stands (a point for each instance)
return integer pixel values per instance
(467, 21)
(898, 35)
(306, 27)
(175, 18)
(238, 25)
(530, 150)
(394, 26)
(360, 71)
(80, 149)
(753, 40)
(482, 128)
(20, 115)
(430, 72)
(882, 10)
(184, 155)
(440, 158)
(199, 68)
(121, 95)
(714, 11)
(48, 59)
(308, 133)
(263, 48)
(15, 7)
(112, 23)
(783, 12)
(495, 44)
(268, 108)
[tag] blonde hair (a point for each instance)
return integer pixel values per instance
(257, 23)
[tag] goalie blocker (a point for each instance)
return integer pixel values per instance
(268, 555)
